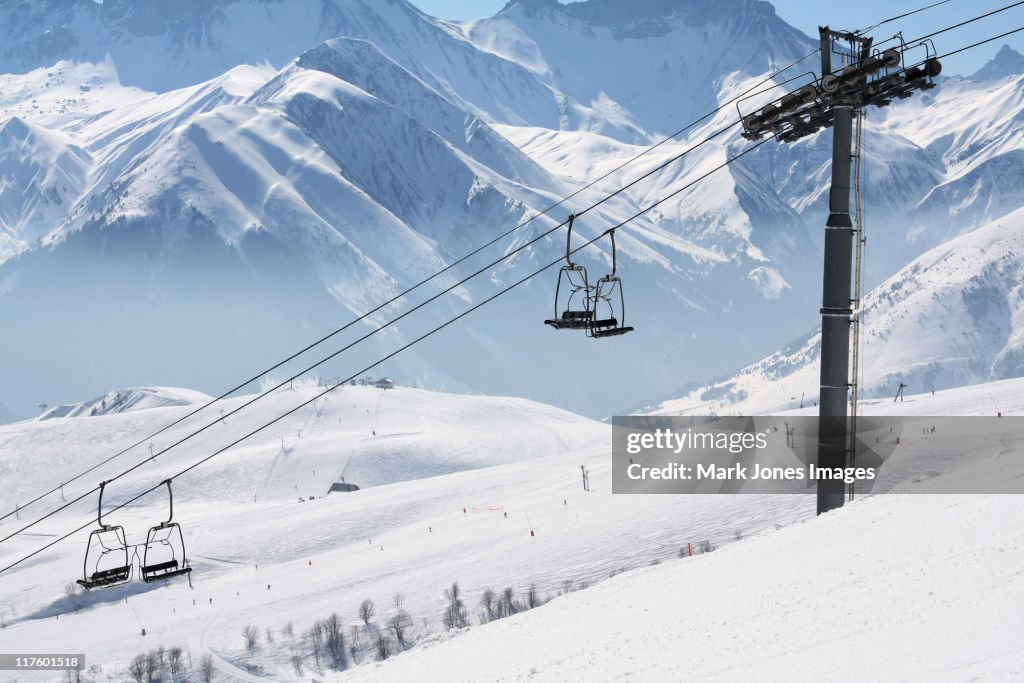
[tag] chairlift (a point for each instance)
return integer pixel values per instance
(572, 278)
(106, 554)
(163, 556)
(609, 302)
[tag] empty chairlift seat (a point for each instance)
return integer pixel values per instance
(572, 293)
(608, 304)
(163, 555)
(106, 554)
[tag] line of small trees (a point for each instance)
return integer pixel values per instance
(494, 606)
(170, 665)
(327, 644)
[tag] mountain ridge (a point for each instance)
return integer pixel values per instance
(266, 206)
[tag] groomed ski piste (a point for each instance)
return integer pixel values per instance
(891, 587)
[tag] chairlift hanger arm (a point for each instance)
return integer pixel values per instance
(612, 235)
(568, 239)
(99, 506)
(170, 500)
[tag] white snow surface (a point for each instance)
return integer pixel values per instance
(930, 583)
(951, 317)
(123, 400)
(895, 588)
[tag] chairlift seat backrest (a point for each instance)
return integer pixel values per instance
(106, 577)
(571, 320)
(160, 566)
(610, 332)
(163, 570)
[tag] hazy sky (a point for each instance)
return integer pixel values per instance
(807, 16)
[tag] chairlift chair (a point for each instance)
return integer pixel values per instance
(609, 300)
(106, 553)
(576, 314)
(163, 555)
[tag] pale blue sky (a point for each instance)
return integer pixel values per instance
(850, 15)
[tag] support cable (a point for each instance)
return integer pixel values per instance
(968, 21)
(968, 47)
(901, 16)
(419, 339)
(426, 280)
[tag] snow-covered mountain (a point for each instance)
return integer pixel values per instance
(1006, 64)
(220, 184)
(954, 316)
(123, 400)
(42, 175)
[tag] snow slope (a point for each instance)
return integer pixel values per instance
(370, 435)
(950, 318)
(245, 530)
(121, 400)
(929, 586)
(42, 174)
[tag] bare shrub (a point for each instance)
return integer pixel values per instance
(206, 668)
(366, 611)
(454, 616)
(383, 646)
(488, 606)
(508, 605)
(334, 642)
(174, 660)
(355, 644)
(399, 625)
(137, 669)
(251, 636)
(152, 665)
(533, 597)
(316, 641)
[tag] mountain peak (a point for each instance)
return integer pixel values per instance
(614, 13)
(14, 127)
(1007, 62)
(532, 4)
